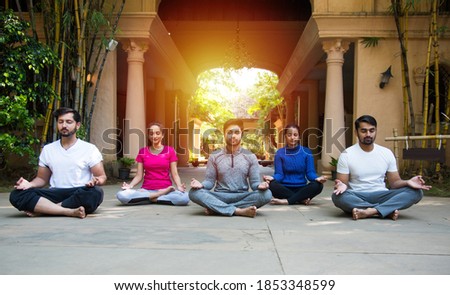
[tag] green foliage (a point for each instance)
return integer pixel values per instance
(210, 102)
(243, 93)
(126, 162)
(266, 96)
(228, 93)
(23, 64)
(370, 41)
(253, 141)
(333, 162)
(212, 139)
(79, 32)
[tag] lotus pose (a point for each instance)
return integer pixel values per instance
(360, 189)
(295, 180)
(156, 164)
(231, 171)
(74, 169)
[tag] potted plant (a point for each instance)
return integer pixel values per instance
(125, 167)
(333, 164)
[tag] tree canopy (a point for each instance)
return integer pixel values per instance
(24, 67)
(226, 93)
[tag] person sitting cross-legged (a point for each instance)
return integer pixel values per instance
(229, 171)
(74, 169)
(360, 188)
(295, 180)
(157, 165)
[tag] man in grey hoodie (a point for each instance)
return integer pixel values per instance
(231, 172)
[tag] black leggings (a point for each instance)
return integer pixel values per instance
(295, 195)
(88, 197)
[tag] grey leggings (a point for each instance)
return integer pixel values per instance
(385, 202)
(141, 196)
(226, 203)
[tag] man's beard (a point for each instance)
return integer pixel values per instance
(68, 134)
(367, 140)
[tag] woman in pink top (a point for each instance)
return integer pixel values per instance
(155, 164)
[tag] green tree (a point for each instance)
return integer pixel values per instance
(266, 97)
(231, 93)
(24, 67)
(79, 32)
(244, 93)
(211, 102)
(401, 10)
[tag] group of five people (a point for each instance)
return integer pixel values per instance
(232, 186)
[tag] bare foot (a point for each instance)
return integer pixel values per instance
(394, 215)
(209, 212)
(78, 212)
(248, 212)
(363, 213)
(276, 201)
(32, 214)
(307, 201)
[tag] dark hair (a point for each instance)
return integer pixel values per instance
(366, 119)
(63, 110)
(157, 124)
(291, 125)
(237, 122)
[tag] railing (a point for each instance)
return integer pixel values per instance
(428, 154)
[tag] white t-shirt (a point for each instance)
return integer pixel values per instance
(367, 169)
(72, 167)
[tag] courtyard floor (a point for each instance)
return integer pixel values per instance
(281, 240)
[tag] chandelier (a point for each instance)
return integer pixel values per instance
(237, 56)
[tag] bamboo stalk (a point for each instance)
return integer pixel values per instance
(427, 86)
(56, 41)
(94, 98)
(436, 68)
(397, 6)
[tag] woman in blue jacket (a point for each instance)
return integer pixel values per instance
(295, 180)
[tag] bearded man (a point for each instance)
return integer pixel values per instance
(360, 187)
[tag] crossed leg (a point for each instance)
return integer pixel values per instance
(154, 196)
(363, 213)
(247, 212)
(369, 212)
(47, 207)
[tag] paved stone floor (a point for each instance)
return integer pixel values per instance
(281, 240)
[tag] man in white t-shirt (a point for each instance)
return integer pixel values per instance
(360, 187)
(73, 168)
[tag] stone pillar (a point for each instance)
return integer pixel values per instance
(334, 118)
(134, 122)
(104, 120)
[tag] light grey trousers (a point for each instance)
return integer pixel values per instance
(385, 202)
(226, 203)
(141, 196)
